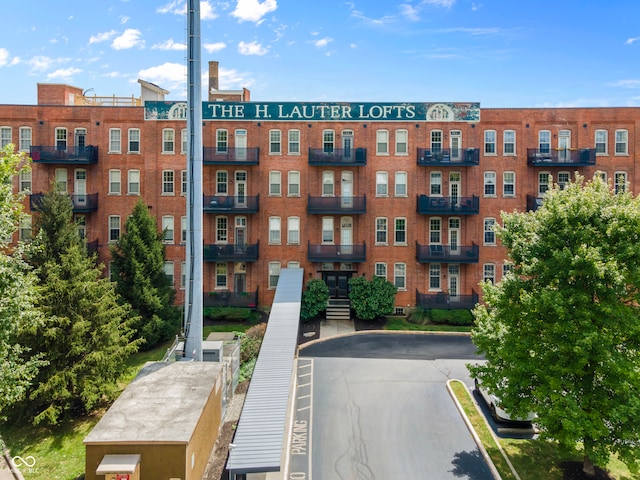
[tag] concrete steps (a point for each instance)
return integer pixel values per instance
(338, 309)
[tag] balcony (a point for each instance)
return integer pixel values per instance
(337, 253)
(583, 157)
(338, 157)
(231, 156)
(86, 155)
(227, 204)
(461, 157)
(446, 254)
(446, 301)
(336, 205)
(81, 203)
(448, 205)
(225, 298)
(533, 203)
(231, 253)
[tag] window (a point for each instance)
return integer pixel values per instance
(434, 276)
(115, 140)
(274, 183)
(435, 182)
(401, 184)
(381, 230)
(222, 229)
(327, 230)
(221, 275)
(622, 137)
(25, 139)
(601, 142)
(274, 230)
(114, 228)
(601, 175)
(402, 147)
(543, 182)
(544, 141)
(168, 271)
(563, 179)
(509, 142)
(489, 272)
(328, 141)
(327, 184)
(294, 184)
(222, 141)
(61, 180)
(61, 138)
(274, 274)
(114, 182)
(294, 142)
(381, 270)
(399, 276)
(293, 231)
(134, 182)
(489, 142)
(222, 177)
(275, 145)
(401, 231)
(435, 230)
(167, 229)
(183, 229)
(183, 275)
(168, 140)
(183, 178)
(436, 141)
(5, 136)
(184, 136)
(293, 264)
(25, 181)
(489, 233)
(382, 142)
(134, 140)
(489, 184)
(24, 232)
(168, 187)
(382, 180)
(620, 184)
(509, 184)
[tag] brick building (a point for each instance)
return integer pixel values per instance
(408, 191)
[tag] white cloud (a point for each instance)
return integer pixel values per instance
(113, 75)
(323, 42)
(179, 7)
(377, 22)
(626, 83)
(123, 20)
(253, 10)
(631, 40)
(232, 79)
(169, 45)
(439, 3)
(102, 37)
(214, 47)
(171, 76)
(207, 12)
(40, 63)
(409, 11)
(63, 73)
(253, 48)
(4, 56)
(130, 38)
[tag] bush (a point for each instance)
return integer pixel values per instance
(250, 342)
(452, 317)
(372, 299)
(234, 314)
(419, 316)
(314, 299)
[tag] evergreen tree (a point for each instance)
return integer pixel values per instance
(138, 269)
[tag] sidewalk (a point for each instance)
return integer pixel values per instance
(331, 328)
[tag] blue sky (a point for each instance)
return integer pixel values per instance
(518, 53)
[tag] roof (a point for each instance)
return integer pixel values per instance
(259, 438)
(163, 404)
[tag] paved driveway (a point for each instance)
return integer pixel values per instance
(386, 416)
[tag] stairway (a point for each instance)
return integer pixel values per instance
(338, 309)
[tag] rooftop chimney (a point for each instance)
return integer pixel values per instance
(213, 76)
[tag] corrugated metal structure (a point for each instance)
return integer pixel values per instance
(258, 442)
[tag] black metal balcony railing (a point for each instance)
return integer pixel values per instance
(446, 301)
(582, 157)
(337, 253)
(336, 205)
(231, 253)
(533, 203)
(448, 205)
(337, 157)
(244, 204)
(69, 155)
(92, 247)
(81, 203)
(454, 157)
(447, 254)
(230, 156)
(225, 298)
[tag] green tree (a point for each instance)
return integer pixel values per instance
(86, 337)
(373, 298)
(18, 366)
(561, 332)
(138, 269)
(314, 299)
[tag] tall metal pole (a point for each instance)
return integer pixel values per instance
(194, 290)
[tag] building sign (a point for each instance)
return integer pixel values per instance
(322, 111)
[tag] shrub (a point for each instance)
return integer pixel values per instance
(314, 299)
(372, 299)
(251, 341)
(419, 316)
(452, 317)
(231, 314)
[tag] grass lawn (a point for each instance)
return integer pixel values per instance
(401, 323)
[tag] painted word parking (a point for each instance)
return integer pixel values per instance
(300, 443)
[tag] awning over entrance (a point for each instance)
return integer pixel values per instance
(118, 464)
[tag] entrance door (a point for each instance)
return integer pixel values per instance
(347, 190)
(241, 145)
(80, 187)
(241, 189)
(454, 187)
(564, 146)
(240, 278)
(454, 283)
(240, 234)
(346, 235)
(347, 144)
(80, 139)
(456, 145)
(338, 283)
(454, 236)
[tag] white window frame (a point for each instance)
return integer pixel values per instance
(601, 141)
(490, 140)
(275, 231)
(435, 277)
(115, 182)
(183, 229)
(183, 275)
(133, 183)
(509, 143)
(168, 182)
(25, 181)
(620, 183)
(401, 185)
(435, 231)
(380, 270)
(184, 138)
(220, 280)
(133, 142)
(328, 183)
(168, 230)
(115, 140)
(435, 141)
(489, 272)
(435, 184)
(275, 142)
(622, 142)
(382, 184)
(293, 138)
(275, 183)
(293, 231)
(222, 230)
(328, 141)
(509, 180)
(293, 183)
(168, 140)
(327, 231)
(25, 230)
(544, 141)
(400, 276)
(183, 182)
(274, 274)
(222, 140)
(169, 271)
(489, 236)
(5, 136)
(402, 143)
(544, 183)
(489, 183)
(382, 231)
(382, 142)
(397, 231)
(222, 182)
(115, 228)
(26, 136)
(563, 178)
